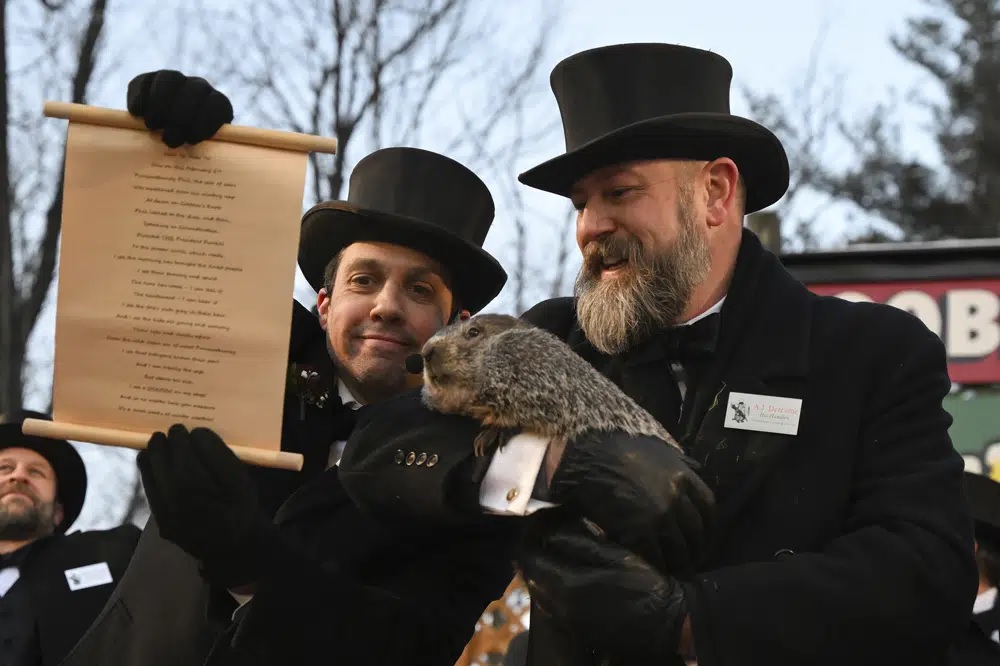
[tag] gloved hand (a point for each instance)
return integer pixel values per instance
(604, 595)
(187, 108)
(205, 503)
(642, 493)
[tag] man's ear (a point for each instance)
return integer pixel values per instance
(59, 514)
(322, 306)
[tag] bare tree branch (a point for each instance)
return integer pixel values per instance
(26, 275)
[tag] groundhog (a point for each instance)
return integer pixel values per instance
(513, 376)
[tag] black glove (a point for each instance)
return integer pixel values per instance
(187, 108)
(603, 595)
(204, 502)
(642, 493)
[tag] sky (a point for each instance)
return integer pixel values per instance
(768, 42)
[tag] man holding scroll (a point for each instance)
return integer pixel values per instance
(324, 581)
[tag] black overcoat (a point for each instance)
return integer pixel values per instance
(51, 615)
(849, 542)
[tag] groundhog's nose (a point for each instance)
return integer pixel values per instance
(415, 363)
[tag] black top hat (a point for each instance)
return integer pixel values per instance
(418, 199)
(632, 102)
(983, 494)
(71, 474)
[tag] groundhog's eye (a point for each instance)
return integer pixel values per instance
(471, 332)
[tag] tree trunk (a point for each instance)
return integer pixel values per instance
(25, 294)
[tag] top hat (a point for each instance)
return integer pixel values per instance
(983, 495)
(71, 474)
(632, 102)
(418, 199)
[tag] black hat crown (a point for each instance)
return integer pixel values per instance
(635, 102)
(426, 186)
(629, 83)
(417, 199)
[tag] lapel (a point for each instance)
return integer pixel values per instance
(763, 349)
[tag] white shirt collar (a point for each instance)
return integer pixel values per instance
(712, 310)
(985, 601)
(337, 448)
(346, 397)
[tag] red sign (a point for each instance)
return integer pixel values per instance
(963, 312)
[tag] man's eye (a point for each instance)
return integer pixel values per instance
(618, 192)
(362, 280)
(423, 290)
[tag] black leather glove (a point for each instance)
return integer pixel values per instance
(205, 503)
(605, 596)
(187, 108)
(642, 493)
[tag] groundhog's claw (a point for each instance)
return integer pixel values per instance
(487, 440)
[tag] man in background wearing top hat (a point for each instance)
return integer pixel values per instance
(982, 642)
(840, 533)
(52, 584)
(324, 582)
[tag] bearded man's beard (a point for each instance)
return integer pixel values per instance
(649, 292)
(21, 522)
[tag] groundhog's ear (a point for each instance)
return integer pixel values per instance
(464, 315)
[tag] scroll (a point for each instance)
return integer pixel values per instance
(176, 274)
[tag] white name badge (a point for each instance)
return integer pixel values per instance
(763, 413)
(91, 575)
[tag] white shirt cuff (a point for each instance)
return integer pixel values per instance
(506, 489)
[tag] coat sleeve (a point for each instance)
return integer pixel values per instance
(306, 612)
(374, 468)
(898, 585)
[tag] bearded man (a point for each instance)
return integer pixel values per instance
(52, 584)
(840, 533)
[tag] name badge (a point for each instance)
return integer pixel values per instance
(763, 413)
(90, 575)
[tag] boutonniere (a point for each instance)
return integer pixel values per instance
(308, 384)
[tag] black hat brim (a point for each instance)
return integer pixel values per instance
(71, 473)
(330, 227)
(757, 152)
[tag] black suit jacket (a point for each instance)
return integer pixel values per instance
(848, 542)
(365, 590)
(348, 588)
(163, 613)
(59, 615)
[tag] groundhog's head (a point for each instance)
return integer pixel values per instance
(453, 361)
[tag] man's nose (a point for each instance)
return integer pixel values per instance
(591, 224)
(388, 306)
(19, 475)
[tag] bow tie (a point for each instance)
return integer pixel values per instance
(680, 343)
(344, 420)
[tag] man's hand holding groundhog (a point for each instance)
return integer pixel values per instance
(641, 494)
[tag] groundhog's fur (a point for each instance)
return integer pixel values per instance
(512, 376)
